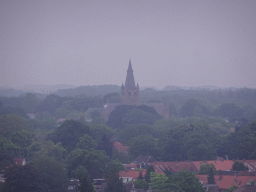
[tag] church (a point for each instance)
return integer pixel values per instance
(130, 95)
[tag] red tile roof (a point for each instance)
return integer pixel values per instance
(251, 164)
(245, 189)
(174, 166)
(120, 147)
(225, 181)
(19, 161)
(130, 166)
(131, 173)
(219, 165)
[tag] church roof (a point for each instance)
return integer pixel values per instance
(130, 83)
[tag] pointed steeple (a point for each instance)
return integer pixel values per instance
(130, 83)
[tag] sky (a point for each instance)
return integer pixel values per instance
(90, 42)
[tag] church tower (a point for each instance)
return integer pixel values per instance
(130, 94)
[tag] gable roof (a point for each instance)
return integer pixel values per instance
(120, 147)
(131, 173)
(175, 167)
(251, 164)
(225, 181)
(245, 189)
(144, 159)
(223, 165)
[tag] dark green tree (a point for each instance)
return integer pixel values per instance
(186, 181)
(114, 183)
(149, 170)
(210, 176)
(68, 134)
(85, 182)
(106, 145)
(204, 169)
(53, 173)
(232, 188)
(143, 145)
(22, 178)
(140, 176)
(239, 166)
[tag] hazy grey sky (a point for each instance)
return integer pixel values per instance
(89, 42)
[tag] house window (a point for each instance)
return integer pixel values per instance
(135, 93)
(129, 93)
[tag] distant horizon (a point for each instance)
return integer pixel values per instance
(67, 86)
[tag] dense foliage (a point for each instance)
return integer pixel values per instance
(203, 124)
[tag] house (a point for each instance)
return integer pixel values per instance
(220, 164)
(121, 148)
(73, 185)
(245, 189)
(130, 175)
(174, 167)
(251, 164)
(19, 161)
(100, 184)
(211, 187)
(131, 166)
(143, 159)
(226, 181)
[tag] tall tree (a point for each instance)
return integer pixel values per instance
(149, 170)
(22, 178)
(210, 176)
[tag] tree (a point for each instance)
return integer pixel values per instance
(106, 145)
(232, 188)
(113, 97)
(113, 166)
(141, 184)
(204, 169)
(210, 176)
(143, 145)
(114, 183)
(138, 116)
(239, 166)
(86, 142)
(140, 176)
(148, 172)
(68, 134)
(82, 174)
(12, 123)
(8, 151)
(30, 102)
(22, 178)
(55, 151)
(94, 161)
(22, 139)
(132, 131)
(115, 119)
(53, 173)
(186, 181)
(86, 185)
(157, 181)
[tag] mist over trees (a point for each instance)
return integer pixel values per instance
(55, 137)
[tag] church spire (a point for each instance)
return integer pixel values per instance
(130, 83)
